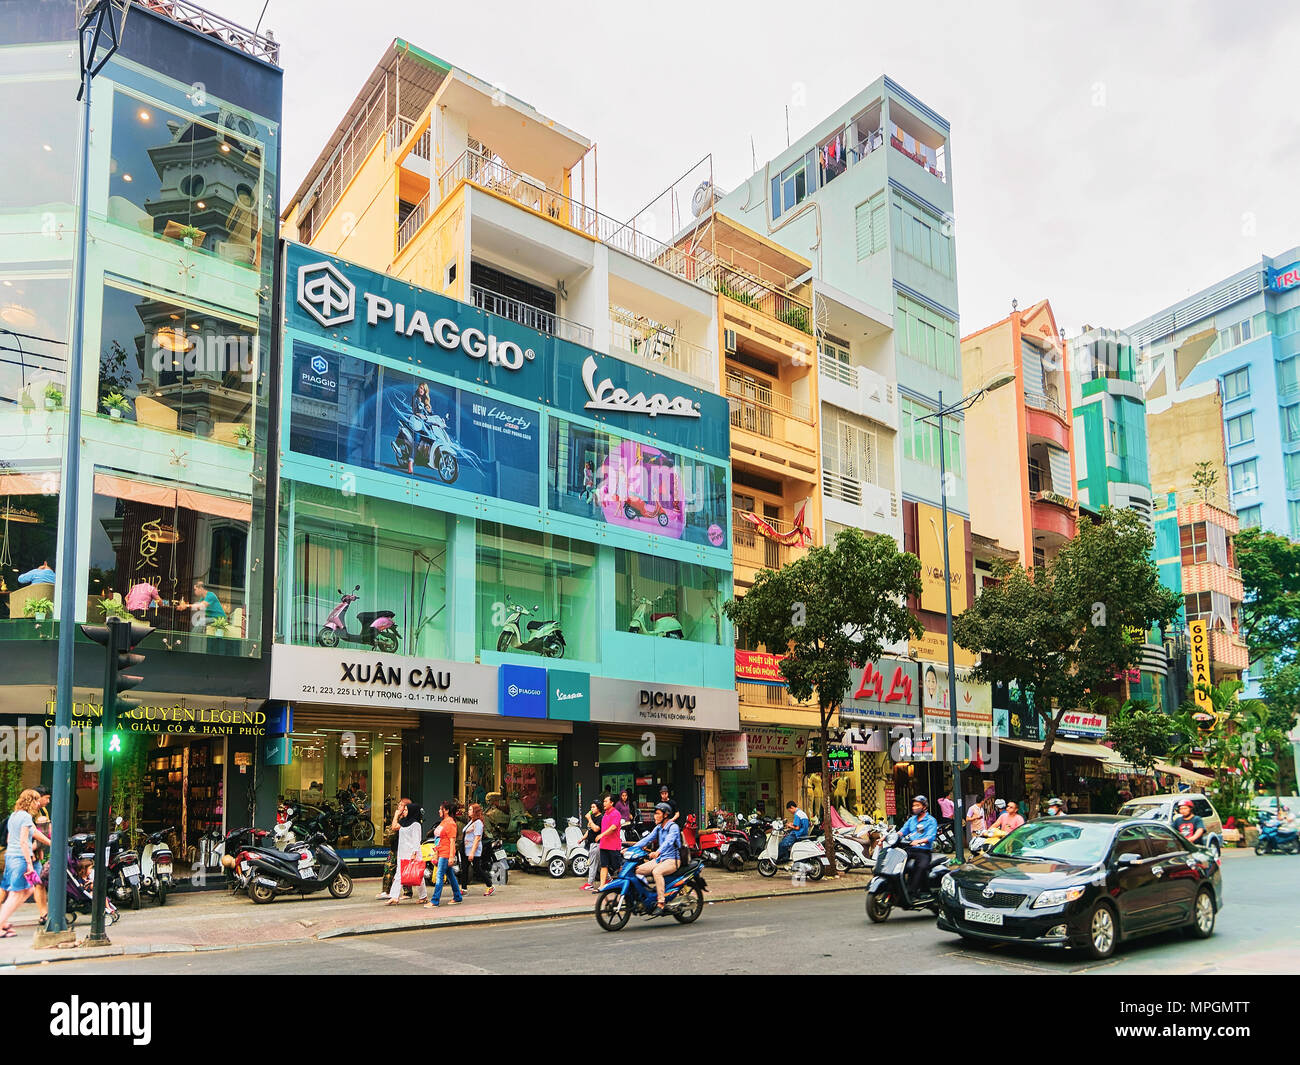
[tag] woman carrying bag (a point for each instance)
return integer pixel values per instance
(410, 866)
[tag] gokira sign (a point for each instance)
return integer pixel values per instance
(1199, 635)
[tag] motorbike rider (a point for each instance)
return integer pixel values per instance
(1187, 824)
(663, 847)
(1055, 807)
(800, 826)
(918, 833)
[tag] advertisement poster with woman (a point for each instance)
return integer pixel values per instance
(636, 486)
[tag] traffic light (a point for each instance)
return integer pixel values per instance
(119, 638)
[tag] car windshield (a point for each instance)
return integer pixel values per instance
(1141, 809)
(1056, 840)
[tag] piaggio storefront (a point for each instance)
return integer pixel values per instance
(502, 558)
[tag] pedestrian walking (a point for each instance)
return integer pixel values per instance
(592, 840)
(611, 846)
(446, 848)
(41, 849)
(21, 868)
(476, 859)
(406, 822)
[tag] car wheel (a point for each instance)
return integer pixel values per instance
(1103, 931)
(1203, 915)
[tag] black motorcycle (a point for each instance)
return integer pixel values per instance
(303, 869)
(889, 884)
(123, 881)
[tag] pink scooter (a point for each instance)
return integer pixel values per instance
(378, 628)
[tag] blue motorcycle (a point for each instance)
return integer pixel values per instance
(1273, 837)
(627, 894)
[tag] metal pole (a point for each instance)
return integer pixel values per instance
(959, 804)
(63, 793)
(119, 639)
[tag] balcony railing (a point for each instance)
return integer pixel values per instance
(751, 392)
(231, 33)
(412, 222)
(776, 695)
(754, 292)
(856, 492)
(842, 372)
(1229, 650)
(751, 548)
(657, 343)
(543, 321)
(398, 130)
(1045, 403)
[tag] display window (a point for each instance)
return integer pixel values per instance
(662, 597)
(599, 475)
(326, 761)
(537, 593)
(756, 788)
(391, 556)
(29, 535)
(623, 765)
(33, 338)
(516, 781)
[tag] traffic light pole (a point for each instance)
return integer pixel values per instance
(118, 641)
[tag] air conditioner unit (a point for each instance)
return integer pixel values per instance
(729, 341)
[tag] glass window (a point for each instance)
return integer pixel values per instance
(536, 593)
(1241, 429)
(1245, 476)
(1250, 517)
(1291, 470)
(29, 533)
(1291, 423)
(38, 167)
(623, 766)
(1236, 384)
(795, 183)
(660, 597)
(1288, 376)
(195, 180)
(1293, 518)
(926, 336)
(180, 368)
(921, 438)
(922, 235)
(33, 336)
(324, 764)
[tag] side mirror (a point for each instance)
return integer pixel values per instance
(117, 821)
(356, 588)
(340, 591)
(1127, 858)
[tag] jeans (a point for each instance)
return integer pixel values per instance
(445, 871)
(786, 845)
(593, 864)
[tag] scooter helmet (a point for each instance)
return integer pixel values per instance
(1053, 802)
(922, 800)
(999, 804)
(664, 809)
(1185, 804)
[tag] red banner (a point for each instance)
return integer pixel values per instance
(759, 666)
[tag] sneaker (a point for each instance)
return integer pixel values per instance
(488, 892)
(585, 887)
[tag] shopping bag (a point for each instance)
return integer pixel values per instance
(412, 872)
(428, 852)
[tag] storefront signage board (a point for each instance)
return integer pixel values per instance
(730, 750)
(929, 526)
(521, 691)
(778, 743)
(1199, 635)
(628, 702)
(759, 667)
(974, 702)
(1082, 723)
(342, 677)
(568, 695)
(178, 718)
(885, 691)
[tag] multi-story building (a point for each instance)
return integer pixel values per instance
(1029, 508)
(174, 507)
(501, 423)
(866, 196)
(1222, 371)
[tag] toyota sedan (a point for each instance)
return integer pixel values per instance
(1087, 882)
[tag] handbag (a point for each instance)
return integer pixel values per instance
(412, 872)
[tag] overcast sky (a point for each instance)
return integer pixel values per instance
(1111, 156)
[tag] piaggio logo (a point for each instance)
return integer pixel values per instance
(514, 691)
(325, 294)
(319, 364)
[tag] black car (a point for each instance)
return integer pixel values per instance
(1086, 881)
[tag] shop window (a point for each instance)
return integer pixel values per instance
(184, 543)
(29, 534)
(38, 167)
(181, 369)
(326, 761)
(396, 552)
(185, 178)
(623, 766)
(661, 597)
(515, 781)
(598, 475)
(33, 338)
(552, 578)
(756, 788)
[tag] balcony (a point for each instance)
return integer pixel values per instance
(1228, 651)
(533, 317)
(1213, 511)
(1053, 514)
(655, 343)
(248, 41)
(857, 389)
(753, 551)
(1212, 577)
(1048, 420)
(752, 291)
(760, 697)
(777, 419)
(859, 504)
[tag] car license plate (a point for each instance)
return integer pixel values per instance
(983, 917)
(131, 870)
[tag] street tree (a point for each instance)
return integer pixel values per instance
(1270, 608)
(835, 608)
(1140, 734)
(1063, 633)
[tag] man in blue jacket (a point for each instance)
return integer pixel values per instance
(918, 833)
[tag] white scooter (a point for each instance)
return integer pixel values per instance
(575, 847)
(851, 852)
(807, 855)
(543, 850)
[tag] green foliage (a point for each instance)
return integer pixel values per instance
(54, 393)
(39, 606)
(115, 376)
(1270, 610)
(795, 316)
(243, 434)
(1206, 479)
(112, 608)
(1139, 734)
(116, 401)
(1281, 686)
(737, 294)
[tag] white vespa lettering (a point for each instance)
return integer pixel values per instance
(606, 397)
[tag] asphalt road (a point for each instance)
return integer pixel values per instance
(1258, 931)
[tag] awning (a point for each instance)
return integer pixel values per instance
(160, 495)
(1188, 775)
(1070, 747)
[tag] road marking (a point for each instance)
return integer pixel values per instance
(419, 958)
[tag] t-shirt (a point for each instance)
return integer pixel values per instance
(212, 606)
(1008, 822)
(473, 833)
(1187, 826)
(611, 818)
(17, 821)
(447, 838)
(945, 807)
(976, 815)
(589, 836)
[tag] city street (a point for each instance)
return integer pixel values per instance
(1258, 931)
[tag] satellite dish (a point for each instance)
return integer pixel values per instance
(704, 197)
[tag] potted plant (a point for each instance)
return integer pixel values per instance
(116, 404)
(219, 626)
(243, 435)
(112, 608)
(40, 609)
(53, 397)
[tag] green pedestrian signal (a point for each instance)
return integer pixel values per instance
(119, 639)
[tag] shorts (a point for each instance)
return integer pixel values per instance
(15, 878)
(611, 860)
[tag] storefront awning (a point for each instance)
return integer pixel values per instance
(1071, 747)
(1191, 776)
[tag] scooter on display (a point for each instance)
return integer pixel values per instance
(156, 865)
(635, 507)
(575, 846)
(543, 850)
(304, 869)
(889, 886)
(543, 637)
(628, 894)
(378, 627)
(647, 622)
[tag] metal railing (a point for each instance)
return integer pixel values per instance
(752, 392)
(842, 372)
(412, 222)
(1044, 403)
(753, 694)
(754, 292)
(526, 314)
(399, 129)
(231, 33)
(658, 343)
(845, 489)
(752, 548)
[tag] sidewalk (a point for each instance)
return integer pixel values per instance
(212, 920)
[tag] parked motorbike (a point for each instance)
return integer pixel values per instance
(304, 869)
(983, 840)
(1276, 837)
(123, 866)
(851, 853)
(543, 637)
(156, 865)
(378, 627)
(807, 856)
(544, 849)
(724, 844)
(423, 440)
(575, 845)
(889, 888)
(628, 894)
(649, 623)
(234, 843)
